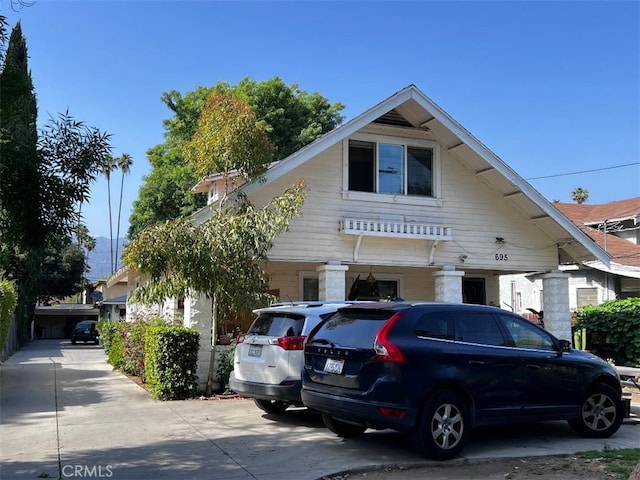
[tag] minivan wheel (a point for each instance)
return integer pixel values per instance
(342, 429)
(271, 406)
(443, 426)
(601, 413)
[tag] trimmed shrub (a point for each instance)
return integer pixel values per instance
(613, 330)
(8, 301)
(107, 330)
(171, 359)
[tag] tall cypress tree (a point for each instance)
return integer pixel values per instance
(20, 222)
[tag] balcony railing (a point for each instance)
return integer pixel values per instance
(382, 228)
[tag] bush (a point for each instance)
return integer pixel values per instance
(133, 348)
(613, 330)
(225, 366)
(107, 330)
(171, 359)
(8, 301)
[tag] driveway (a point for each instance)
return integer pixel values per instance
(64, 413)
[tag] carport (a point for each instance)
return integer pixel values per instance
(57, 321)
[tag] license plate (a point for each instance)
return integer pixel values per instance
(255, 350)
(333, 366)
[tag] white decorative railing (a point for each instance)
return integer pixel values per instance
(382, 228)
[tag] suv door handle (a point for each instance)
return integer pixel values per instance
(476, 363)
(532, 366)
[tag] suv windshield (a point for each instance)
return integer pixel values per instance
(353, 327)
(84, 326)
(278, 325)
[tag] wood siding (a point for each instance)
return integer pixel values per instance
(476, 213)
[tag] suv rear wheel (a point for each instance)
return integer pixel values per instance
(443, 426)
(271, 406)
(600, 414)
(342, 429)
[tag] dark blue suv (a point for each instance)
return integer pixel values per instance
(439, 370)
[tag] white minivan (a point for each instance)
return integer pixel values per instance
(268, 359)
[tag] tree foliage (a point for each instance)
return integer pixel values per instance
(45, 175)
(291, 118)
(222, 255)
(20, 219)
(228, 140)
(613, 330)
(580, 195)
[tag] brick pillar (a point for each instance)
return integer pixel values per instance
(555, 299)
(331, 281)
(448, 287)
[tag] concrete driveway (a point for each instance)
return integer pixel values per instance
(65, 414)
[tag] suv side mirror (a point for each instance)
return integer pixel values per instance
(565, 345)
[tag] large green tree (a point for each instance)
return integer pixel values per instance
(222, 258)
(45, 175)
(20, 220)
(291, 118)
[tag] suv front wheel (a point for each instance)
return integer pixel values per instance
(601, 413)
(443, 426)
(271, 406)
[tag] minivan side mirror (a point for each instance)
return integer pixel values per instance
(565, 345)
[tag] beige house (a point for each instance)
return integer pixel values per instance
(403, 196)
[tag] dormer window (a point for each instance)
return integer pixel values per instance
(392, 167)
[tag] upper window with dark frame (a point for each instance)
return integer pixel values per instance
(391, 168)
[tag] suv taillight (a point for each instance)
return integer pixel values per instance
(289, 343)
(240, 339)
(386, 350)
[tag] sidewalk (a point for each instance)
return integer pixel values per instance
(64, 413)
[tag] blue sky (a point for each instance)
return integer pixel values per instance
(550, 87)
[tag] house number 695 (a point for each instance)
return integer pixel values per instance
(502, 257)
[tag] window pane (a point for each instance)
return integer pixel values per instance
(420, 171)
(435, 325)
(310, 289)
(478, 328)
(361, 166)
(525, 335)
(391, 168)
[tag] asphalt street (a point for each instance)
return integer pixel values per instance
(64, 413)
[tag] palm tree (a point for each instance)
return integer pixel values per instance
(124, 163)
(87, 243)
(580, 195)
(109, 166)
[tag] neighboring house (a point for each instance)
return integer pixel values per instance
(403, 199)
(615, 227)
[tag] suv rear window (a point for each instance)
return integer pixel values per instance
(85, 325)
(352, 327)
(278, 324)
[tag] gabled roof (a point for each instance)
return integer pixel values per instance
(622, 251)
(410, 107)
(596, 214)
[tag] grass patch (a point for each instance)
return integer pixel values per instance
(619, 463)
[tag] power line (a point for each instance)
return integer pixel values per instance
(585, 171)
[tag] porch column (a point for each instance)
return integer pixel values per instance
(555, 300)
(332, 281)
(448, 285)
(197, 314)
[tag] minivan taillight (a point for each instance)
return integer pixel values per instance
(386, 350)
(289, 343)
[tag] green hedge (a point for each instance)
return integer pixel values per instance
(613, 330)
(8, 301)
(171, 358)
